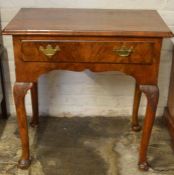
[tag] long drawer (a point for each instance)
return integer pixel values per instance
(136, 52)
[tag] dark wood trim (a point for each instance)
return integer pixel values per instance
(169, 121)
(168, 111)
(4, 113)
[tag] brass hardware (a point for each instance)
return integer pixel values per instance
(123, 51)
(49, 51)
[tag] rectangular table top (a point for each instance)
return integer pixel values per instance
(88, 22)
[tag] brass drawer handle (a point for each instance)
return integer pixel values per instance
(123, 51)
(49, 51)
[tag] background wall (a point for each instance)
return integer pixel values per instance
(65, 93)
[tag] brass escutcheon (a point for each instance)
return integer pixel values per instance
(49, 51)
(123, 51)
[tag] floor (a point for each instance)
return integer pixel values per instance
(84, 146)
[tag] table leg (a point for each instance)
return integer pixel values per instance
(152, 94)
(20, 90)
(137, 98)
(34, 98)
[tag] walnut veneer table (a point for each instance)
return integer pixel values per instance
(77, 39)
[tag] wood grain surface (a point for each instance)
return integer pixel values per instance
(52, 21)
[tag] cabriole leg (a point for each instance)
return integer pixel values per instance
(20, 90)
(152, 94)
(34, 99)
(137, 98)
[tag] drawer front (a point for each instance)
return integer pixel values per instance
(136, 52)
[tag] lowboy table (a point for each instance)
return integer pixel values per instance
(77, 39)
